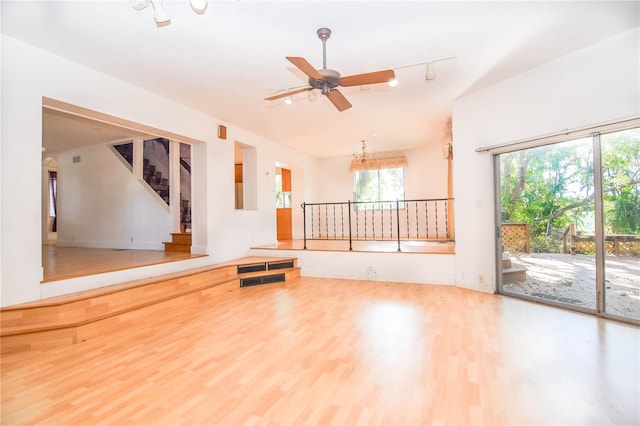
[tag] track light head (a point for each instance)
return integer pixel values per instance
(431, 72)
(160, 14)
(198, 6)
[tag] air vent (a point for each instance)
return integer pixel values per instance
(252, 267)
(280, 265)
(267, 279)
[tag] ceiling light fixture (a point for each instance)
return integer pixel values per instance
(161, 15)
(393, 83)
(431, 72)
(364, 156)
(288, 100)
(198, 6)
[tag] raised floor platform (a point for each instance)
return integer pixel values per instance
(76, 317)
(407, 246)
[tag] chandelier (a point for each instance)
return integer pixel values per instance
(364, 156)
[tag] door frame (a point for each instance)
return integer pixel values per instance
(595, 133)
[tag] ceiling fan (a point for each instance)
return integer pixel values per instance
(328, 80)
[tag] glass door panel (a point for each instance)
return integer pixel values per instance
(621, 207)
(547, 210)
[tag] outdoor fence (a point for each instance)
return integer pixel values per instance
(516, 237)
(617, 245)
(399, 220)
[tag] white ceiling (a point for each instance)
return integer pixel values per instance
(226, 61)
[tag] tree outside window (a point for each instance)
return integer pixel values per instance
(378, 188)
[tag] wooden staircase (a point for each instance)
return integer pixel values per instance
(77, 317)
(180, 242)
(512, 273)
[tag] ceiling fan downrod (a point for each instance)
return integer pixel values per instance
(324, 34)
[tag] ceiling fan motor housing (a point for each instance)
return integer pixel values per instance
(330, 80)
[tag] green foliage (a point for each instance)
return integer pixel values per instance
(621, 157)
(379, 185)
(552, 186)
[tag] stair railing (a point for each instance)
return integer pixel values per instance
(399, 220)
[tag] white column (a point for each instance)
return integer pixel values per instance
(174, 184)
(138, 155)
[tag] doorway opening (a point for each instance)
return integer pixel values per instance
(284, 226)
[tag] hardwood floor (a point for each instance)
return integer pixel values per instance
(70, 262)
(367, 246)
(343, 352)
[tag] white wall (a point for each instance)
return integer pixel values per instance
(390, 267)
(424, 177)
(591, 86)
(28, 74)
(102, 204)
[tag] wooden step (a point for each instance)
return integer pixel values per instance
(76, 317)
(177, 247)
(506, 261)
(181, 237)
(516, 273)
(180, 242)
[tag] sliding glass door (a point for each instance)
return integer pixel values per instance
(570, 224)
(621, 217)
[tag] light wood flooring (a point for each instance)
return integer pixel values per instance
(70, 262)
(343, 352)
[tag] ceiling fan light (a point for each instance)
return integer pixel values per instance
(431, 72)
(160, 14)
(198, 6)
(393, 83)
(288, 100)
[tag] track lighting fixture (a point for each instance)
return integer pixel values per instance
(160, 14)
(198, 6)
(431, 72)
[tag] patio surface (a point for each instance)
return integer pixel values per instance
(571, 279)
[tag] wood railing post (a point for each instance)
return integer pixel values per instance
(572, 236)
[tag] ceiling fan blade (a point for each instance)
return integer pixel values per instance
(368, 78)
(338, 100)
(305, 67)
(284, 95)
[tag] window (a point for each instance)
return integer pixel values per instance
(376, 189)
(283, 188)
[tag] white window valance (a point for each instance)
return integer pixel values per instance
(378, 163)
